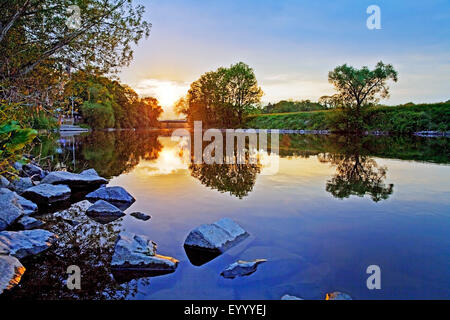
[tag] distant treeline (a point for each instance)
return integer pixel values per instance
(105, 103)
(292, 106)
(401, 119)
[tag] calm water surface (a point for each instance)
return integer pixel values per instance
(336, 206)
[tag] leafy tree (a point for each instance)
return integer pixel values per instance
(222, 97)
(359, 88)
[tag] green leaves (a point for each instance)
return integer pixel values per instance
(14, 138)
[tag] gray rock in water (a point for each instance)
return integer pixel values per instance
(29, 222)
(32, 170)
(241, 268)
(10, 209)
(11, 271)
(337, 296)
(18, 166)
(134, 252)
(104, 212)
(88, 179)
(28, 206)
(21, 244)
(289, 297)
(76, 214)
(47, 194)
(140, 216)
(219, 236)
(21, 184)
(91, 172)
(111, 194)
(4, 183)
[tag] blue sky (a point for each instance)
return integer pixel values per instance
(292, 45)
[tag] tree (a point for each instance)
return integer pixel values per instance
(221, 98)
(36, 43)
(359, 88)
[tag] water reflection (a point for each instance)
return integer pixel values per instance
(357, 172)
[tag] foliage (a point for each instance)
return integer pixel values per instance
(223, 97)
(284, 106)
(13, 137)
(395, 119)
(359, 89)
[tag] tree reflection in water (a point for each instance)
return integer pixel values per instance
(356, 173)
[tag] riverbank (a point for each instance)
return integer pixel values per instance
(428, 119)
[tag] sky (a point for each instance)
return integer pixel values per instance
(292, 45)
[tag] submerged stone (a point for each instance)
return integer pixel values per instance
(11, 271)
(241, 268)
(76, 214)
(104, 212)
(138, 253)
(337, 296)
(289, 297)
(21, 244)
(47, 194)
(140, 216)
(10, 209)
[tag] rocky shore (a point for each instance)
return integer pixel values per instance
(83, 204)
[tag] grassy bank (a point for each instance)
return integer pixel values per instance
(395, 119)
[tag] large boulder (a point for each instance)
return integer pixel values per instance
(21, 244)
(11, 271)
(47, 194)
(88, 179)
(104, 212)
(241, 268)
(218, 236)
(115, 195)
(138, 253)
(10, 209)
(21, 184)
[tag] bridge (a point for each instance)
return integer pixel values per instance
(170, 124)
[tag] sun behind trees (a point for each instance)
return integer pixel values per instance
(223, 97)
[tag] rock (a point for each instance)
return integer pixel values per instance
(18, 166)
(115, 195)
(10, 209)
(218, 237)
(241, 268)
(90, 172)
(47, 194)
(11, 271)
(104, 212)
(134, 252)
(21, 244)
(21, 184)
(289, 297)
(78, 181)
(4, 183)
(28, 206)
(32, 170)
(76, 214)
(337, 296)
(29, 222)
(140, 216)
